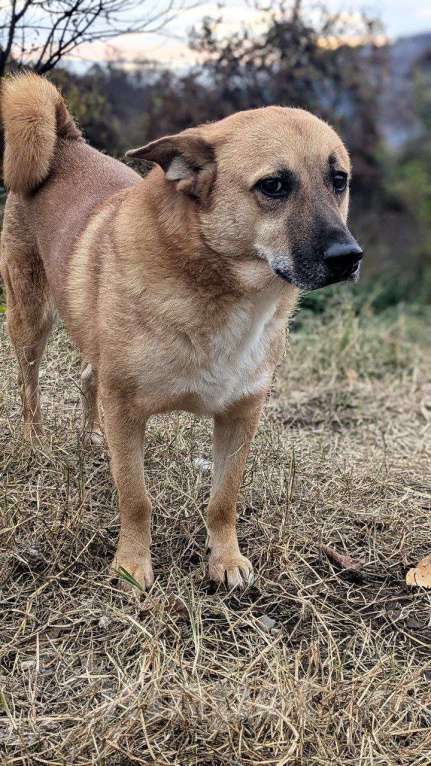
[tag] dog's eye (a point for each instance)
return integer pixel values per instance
(274, 187)
(339, 182)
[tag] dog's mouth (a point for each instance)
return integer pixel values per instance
(345, 271)
(350, 274)
(324, 279)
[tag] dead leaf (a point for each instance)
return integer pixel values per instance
(420, 575)
(175, 605)
(342, 560)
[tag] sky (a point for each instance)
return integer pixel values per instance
(399, 17)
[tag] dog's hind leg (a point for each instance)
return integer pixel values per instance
(91, 422)
(125, 434)
(30, 318)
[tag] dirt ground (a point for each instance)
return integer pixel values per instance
(312, 664)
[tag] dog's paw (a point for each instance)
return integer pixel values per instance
(133, 573)
(233, 570)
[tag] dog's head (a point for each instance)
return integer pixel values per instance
(270, 185)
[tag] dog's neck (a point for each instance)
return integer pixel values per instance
(191, 256)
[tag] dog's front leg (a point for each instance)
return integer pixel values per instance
(125, 435)
(233, 433)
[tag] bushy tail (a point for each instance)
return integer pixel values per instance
(34, 115)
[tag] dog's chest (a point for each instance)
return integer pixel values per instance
(233, 360)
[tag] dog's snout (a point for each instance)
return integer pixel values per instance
(340, 254)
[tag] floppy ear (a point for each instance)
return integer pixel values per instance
(187, 159)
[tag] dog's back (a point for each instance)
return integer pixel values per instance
(56, 179)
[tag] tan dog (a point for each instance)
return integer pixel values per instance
(177, 287)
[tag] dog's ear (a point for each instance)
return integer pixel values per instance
(187, 159)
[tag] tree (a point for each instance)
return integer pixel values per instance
(303, 60)
(292, 58)
(39, 33)
(409, 181)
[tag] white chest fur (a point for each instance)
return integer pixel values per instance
(233, 364)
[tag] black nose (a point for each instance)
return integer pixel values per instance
(343, 257)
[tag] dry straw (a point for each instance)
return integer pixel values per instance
(311, 665)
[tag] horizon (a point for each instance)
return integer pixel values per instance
(170, 47)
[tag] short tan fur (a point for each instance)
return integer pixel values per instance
(176, 288)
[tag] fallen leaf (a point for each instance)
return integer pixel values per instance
(176, 605)
(420, 575)
(173, 605)
(342, 560)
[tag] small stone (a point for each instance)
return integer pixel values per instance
(203, 464)
(104, 621)
(33, 553)
(267, 623)
(28, 664)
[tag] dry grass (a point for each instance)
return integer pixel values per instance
(189, 676)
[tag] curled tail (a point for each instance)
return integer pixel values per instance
(34, 116)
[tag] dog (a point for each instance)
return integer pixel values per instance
(176, 287)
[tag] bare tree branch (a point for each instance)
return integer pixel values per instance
(39, 33)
